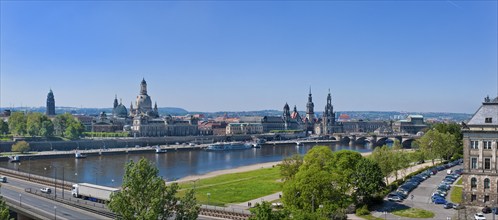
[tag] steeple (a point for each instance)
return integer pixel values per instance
(143, 87)
(50, 103)
(115, 101)
(310, 114)
(286, 114)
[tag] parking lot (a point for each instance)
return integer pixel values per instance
(420, 197)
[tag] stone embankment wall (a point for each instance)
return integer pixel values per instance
(98, 143)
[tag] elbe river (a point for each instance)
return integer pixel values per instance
(108, 170)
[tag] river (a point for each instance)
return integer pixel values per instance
(108, 170)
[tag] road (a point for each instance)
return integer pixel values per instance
(14, 189)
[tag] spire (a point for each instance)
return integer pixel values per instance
(143, 87)
(115, 101)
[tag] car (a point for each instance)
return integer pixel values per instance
(46, 190)
(458, 206)
(448, 205)
(394, 198)
(486, 210)
(439, 201)
(479, 216)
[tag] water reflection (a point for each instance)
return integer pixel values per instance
(109, 169)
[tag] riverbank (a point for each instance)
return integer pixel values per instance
(236, 170)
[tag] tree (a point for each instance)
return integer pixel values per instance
(4, 127)
(47, 129)
(368, 181)
(17, 123)
(66, 125)
(313, 185)
(33, 123)
(263, 211)
(344, 164)
(188, 209)
(144, 195)
(20, 146)
(290, 166)
(4, 209)
(437, 144)
(382, 155)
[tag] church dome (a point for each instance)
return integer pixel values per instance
(120, 111)
(144, 104)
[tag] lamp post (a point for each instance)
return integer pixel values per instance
(55, 212)
(55, 182)
(208, 195)
(20, 195)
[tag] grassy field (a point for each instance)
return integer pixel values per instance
(456, 194)
(459, 182)
(235, 187)
(413, 213)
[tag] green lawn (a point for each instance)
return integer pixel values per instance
(413, 213)
(236, 187)
(456, 194)
(459, 182)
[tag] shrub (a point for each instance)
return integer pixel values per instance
(362, 210)
(20, 146)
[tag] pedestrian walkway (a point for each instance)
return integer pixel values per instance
(268, 198)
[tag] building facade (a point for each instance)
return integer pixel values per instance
(50, 104)
(412, 125)
(480, 140)
(244, 128)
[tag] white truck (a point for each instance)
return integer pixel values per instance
(92, 192)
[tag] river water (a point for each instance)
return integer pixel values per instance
(108, 170)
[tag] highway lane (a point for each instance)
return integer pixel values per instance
(41, 205)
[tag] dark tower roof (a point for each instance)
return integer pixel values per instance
(115, 101)
(50, 103)
(143, 87)
(310, 106)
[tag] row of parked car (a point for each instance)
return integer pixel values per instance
(402, 192)
(439, 196)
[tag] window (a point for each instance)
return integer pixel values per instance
(486, 183)
(487, 145)
(474, 144)
(473, 183)
(473, 163)
(486, 198)
(488, 120)
(473, 198)
(487, 163)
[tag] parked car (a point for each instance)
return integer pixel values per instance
(394, 198)
(440, 201)
(486, 210)
(479, 216)
(46, 190)
(458, 206)
(448, 205)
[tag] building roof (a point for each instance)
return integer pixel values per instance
(487, 110)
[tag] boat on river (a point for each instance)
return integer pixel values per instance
(79, 155)
(159, 150)
(14, 159)
(221, 146)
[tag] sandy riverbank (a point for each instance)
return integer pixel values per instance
(236, 170)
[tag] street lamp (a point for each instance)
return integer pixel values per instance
(55, 212)
(208, 195)
(20, 195)
(29, 172)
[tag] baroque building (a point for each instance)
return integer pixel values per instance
(50, 103)
(310, 114)
(328, 124)
(480, 167)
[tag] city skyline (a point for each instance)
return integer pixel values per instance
(234, 56)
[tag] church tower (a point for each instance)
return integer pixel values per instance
(328, 119)
(286, 116)
(143, 87)
(50, 103)
(115, 101)
(310, 114)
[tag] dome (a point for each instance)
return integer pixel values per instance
(120, 111)
(144, 104)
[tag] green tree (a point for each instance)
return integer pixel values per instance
(383, 157)
(263, 211)
(315, 184)
(34, 123)
(66, 125)
(17, 123)
(4, 209)
(368, 181)
(4, 127)
(188, 209)
(20, 146)
(144, 195)
(344, 163)
(437, 144)
(47, 129)
(290, 166)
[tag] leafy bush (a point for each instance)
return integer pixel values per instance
(362, 210)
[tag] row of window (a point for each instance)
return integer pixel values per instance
(474, 198)
(475, 165)
(485, 144)
(473, 183)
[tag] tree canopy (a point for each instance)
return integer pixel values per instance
(437, 144)
(17, 123)
(4, 127)
(145, 195)
(21, 146)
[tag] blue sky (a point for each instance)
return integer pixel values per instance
(427, 56)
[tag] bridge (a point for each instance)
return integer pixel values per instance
(376, 140)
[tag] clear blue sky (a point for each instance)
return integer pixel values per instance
(251, 55)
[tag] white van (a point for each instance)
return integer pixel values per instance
(449, 171)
